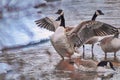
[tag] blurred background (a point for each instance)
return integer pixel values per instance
(17, 25)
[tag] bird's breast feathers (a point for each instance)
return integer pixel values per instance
(59, 34)
(116, 42)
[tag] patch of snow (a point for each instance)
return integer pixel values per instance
(4, 68)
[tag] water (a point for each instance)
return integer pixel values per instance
(41, 61)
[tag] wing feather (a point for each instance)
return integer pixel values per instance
(88, 29)
(47, 23)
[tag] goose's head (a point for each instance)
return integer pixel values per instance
(61, 17)
(60, 12)
(99, 12)
(105, 66)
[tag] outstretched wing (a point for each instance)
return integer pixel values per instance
(88, 29)
(47, 23)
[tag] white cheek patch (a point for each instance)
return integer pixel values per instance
(119, 36)
(97, 13)
(62, 13)
(119, 30)
(108, 64)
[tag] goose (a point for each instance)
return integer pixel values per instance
(111, 44)
(58, 41)
(65, 41)
(101, 66)
(93, 40)
(92, 66)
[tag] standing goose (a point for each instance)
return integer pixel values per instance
(93, 40)
(111, 44)
(59, 38)
(65, 42)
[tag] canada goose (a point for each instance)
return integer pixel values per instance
(58, 39)
(65, 42)
(93, 40)
(111, 44)
(90, 65)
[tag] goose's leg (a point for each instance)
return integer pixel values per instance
(83, 51)
(114, 55)
(62, 57)
(92, 51)
(105, 55)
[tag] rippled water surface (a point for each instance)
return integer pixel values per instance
(41, 61)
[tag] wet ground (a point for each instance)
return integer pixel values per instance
(41, 61)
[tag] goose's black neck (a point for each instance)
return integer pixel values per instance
(94, 16)
(62, 21)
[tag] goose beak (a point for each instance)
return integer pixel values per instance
(102, 13)
(59, 11)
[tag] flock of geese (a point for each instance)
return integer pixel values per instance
(66, 40)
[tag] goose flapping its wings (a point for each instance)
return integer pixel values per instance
(50, 24)
(47, 23)
(72, 37)
(80, 34)
(88, 29)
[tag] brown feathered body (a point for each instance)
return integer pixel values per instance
(110, 44)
